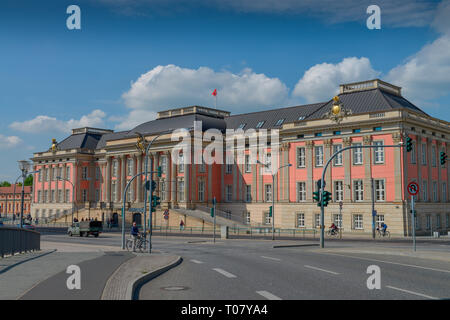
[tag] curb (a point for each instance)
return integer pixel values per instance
(131, 293)
(296, 245)
(26, 260)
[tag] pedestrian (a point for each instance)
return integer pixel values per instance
(134, 235)
(181, 225)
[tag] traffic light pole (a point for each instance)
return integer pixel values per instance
(123, 206)
(322, 187)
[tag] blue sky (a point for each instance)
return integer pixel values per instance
(133, 58)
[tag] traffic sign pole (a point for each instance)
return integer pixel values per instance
(413, 221)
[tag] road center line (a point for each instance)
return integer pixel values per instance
(196, 261)
(412, 292)
(225, 273)
(319, 269)
(383, 261)
(270, 258)
(268, 295)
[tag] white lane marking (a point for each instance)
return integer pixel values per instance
(270, 258)
(383, 261)
(412, 292)
(225, 273)
(196, 261)
(268, 295)
(319, 269)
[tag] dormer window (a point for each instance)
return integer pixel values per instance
(279, 122)
(241, 126)
(301, 118)
(260, 124)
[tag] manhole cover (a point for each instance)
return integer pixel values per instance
(174, 288)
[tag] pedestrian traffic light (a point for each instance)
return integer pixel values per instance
(443, 157)
(159, 171)
(316, 196)
(212, 212)
(270, 212)
(155, 201)
(153, 186)
(408, 144)
(326, 198)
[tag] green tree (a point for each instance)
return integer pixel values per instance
(29, 180)
(5, 184)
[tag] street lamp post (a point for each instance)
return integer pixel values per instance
(14, 197)
(273, 194)
(73, 196)
(24, 166)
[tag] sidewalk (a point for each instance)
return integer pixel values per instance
(7, 263)
(122, 285)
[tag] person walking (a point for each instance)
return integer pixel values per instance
(181, 225)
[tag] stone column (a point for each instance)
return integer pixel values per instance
(396, 138)
(193, 181)
(367, 160)
(309, 171)
(173, 182)
(187, 181)
(107, 181)
(167, 178)
(64, 183)
(286, 184)
(327, 145)
(123, 176)
(91, 175)
(347, 158)
(419, 196)
(430, 168)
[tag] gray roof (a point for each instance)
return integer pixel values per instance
(373, 100)
(80, 141)
(271, 117)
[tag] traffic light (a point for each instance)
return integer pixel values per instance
(316, 196)
(212, 212)
(270, 211)
(443, 157)
(408, 144)
(326, 198)
(150, 186)
(159, 171)
(155, 202)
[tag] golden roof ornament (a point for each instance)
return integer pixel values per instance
(141, 143)
(54, 146)
(337, 112)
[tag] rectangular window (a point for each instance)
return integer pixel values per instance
(379, 190)
(54, 173)
(444, 192)
(84, 195)
(68, 173)
(268, 163)
(248, 193)
(337, 161)
(424, 154)
(67, 196)
(424, 191)
(438, 221)
(428, 222)
(260, 124)
(338, 191)
(97, 195)
(39, 196)
(316, 220)
(84, 173)
(248, 166)
(229, 193)
(130, 164)
(113, 191)
(268, 192)
(358, 222)
(247, 217)
(379, 219)
(164, 164)
(301, 163)
(114, 168)
(267, 218)
(433, 155)
(181, 190)
(413, 152)
(60, 196)
(435, 191)
(98, 173)
(40, 176)
(162, 187)
(318, 152)
(357, 154)
(47, 172)
(300, 220)
(301, 191)
(53, 199)
(337, 220)
(201, 190)
(180, 163)
(378, 152)
(359, 190)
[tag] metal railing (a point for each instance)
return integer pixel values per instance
(15, 240)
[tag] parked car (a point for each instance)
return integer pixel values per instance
(85, 228)
(27, 225)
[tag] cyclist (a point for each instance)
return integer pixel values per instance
(383, 228)
(135, 234)
(334, 228)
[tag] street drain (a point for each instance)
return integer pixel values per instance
(175, 288)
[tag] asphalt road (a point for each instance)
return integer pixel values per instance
(246, 270)
(254, 269)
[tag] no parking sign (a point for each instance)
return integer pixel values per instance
(413, 188)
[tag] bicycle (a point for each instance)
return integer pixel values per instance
(382, 234)
(333, 232)
(141, 243)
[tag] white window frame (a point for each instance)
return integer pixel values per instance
(300, 220)
(248, 193)
(358, 221)
(338, 160)
(337, 219)
(318, 156)
(357, 154)
(301, 191)
(338, 190)
(301, 157)
(378, 152)
(268, 192)
(201, 190)
(358, 186)
(229, 192)
(380, 190)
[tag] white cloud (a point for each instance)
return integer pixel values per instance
(321, 81)
(43, 123)
(172, 86)
(133, 119)
(9, 141)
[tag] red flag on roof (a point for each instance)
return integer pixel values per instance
(214, 92)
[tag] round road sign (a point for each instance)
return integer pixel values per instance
(413, 188)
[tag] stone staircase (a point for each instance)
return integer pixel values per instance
(222, 218)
